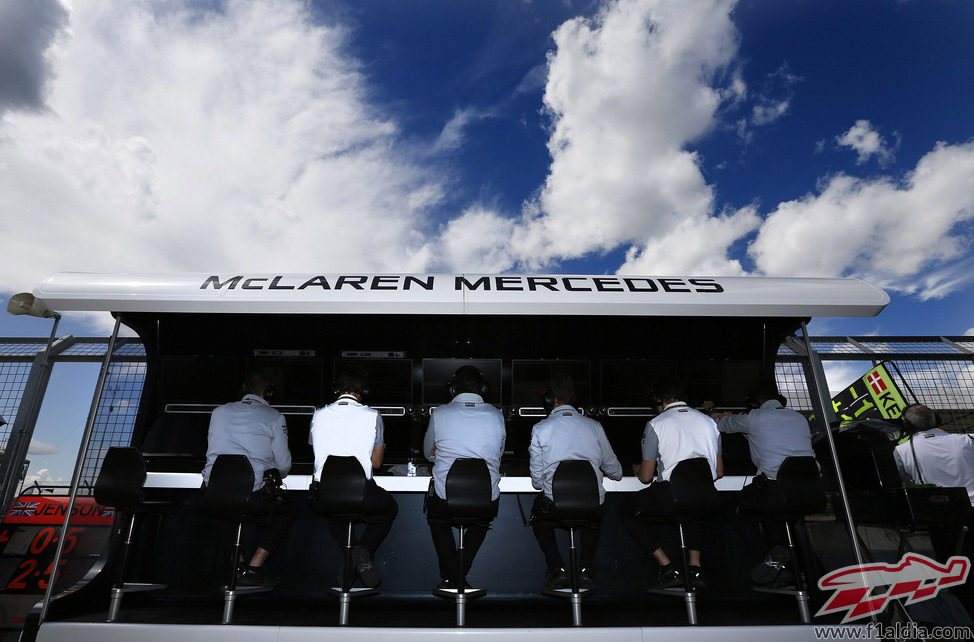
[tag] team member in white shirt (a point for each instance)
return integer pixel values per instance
(935, 456)
(467, 427)
(566, 435)
(251, 427)
(349, 428)
(677, 433)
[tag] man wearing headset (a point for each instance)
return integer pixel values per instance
(467, 427)
(251, 427)
(677, 433)
(566, 435)
(349, 428)
(934, 456)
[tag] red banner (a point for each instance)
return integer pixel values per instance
(41, 509)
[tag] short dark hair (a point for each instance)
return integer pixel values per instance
(561, 387)
(669, 387)
(917, 417)
(766, 391)
(468, 379)
(255, 383)
(352, 378)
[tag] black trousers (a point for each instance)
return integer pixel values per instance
(762, 495)
(542, 522)
(644, 516)
(437, 516)
(380, 509)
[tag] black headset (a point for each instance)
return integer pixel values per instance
(451, 386)
(548, 400)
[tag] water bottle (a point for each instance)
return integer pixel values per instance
(411, 465)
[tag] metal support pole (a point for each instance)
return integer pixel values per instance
(22, 428)
(825, 410)
(76, 477)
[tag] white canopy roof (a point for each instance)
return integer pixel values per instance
(504, 294)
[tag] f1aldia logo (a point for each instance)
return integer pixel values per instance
(864, 590)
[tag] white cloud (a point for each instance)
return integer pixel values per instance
(452, 135)
(200, 140)
(626, 92)
(40, 448)
(900, 235)
(969, 332)
(840, 374)
(867, 143)
(478, 240)
(43, 477)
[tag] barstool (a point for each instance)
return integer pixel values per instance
(575, 495)
(120, 485)
(468, 491)
(341, 495)
(695, 498)
(229, 494)
(799, 493)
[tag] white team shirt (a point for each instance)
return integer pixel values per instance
(346, 428)
(945, 459)
(678, 433)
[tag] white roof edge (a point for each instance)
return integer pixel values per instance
(456, 294)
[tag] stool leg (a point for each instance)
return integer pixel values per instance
(461, 582)
(576, 597)
(236, 555)
(116, 599)
(229, 597)
(801, 588)
(690, 596)
(345, 598)
(230, 593)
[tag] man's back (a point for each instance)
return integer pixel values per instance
(773, 434)
(249, 427)
(346, 428)
(944, 459)
(464, 428)
(680, 433)
(568, 435)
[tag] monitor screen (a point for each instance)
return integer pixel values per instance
(390, 381)
(626, 382)
(437, 374)
(529, 380)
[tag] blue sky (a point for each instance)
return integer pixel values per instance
(642, 136)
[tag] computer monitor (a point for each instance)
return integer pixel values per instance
(529, 380)
(390, 381)
(437, 374)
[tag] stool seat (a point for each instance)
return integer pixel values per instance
(229, 494)
(340, 495)
(121, 485)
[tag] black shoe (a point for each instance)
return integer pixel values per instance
(766, 572)
(556, 580)
(670, 578)
(585, 581)
(255, 576)
(366, 568)
(696, 578)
